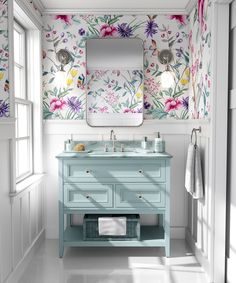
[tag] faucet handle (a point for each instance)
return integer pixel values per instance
(122, 147)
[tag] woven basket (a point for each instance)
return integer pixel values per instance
(90, 228)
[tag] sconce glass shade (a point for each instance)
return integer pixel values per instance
(167, 78)
(61, 78)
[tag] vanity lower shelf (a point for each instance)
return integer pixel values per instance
(151, 236)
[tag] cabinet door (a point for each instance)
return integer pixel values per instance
(88, 195)
(140, 195)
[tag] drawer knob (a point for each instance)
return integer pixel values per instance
(139, 196)
(140, 171)
(88, 171)
(87, 196)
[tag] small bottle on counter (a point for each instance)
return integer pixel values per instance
(68, 145)
(144, 143)
(159, 144)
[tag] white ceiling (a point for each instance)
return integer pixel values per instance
(171, 5)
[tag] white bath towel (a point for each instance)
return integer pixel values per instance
(112, 226)
(193, 174)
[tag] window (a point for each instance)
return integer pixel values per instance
(23, 106)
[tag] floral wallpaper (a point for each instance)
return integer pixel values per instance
(115, 91)
(200, 60)
(67, 99)
(4, 83)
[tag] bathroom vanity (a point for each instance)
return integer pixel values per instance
(114, 183)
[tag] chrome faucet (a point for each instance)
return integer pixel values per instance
(113, 139)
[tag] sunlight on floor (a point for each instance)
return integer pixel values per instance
(113, 265)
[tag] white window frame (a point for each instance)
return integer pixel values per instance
(29, 138)
(24, 100)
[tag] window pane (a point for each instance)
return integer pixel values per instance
(23, 120)
(19, 82)
(17, 46)
(16, 115)
(17, 160)
(23, 157)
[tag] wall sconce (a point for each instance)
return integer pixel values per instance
(64, 57)
(167, 77)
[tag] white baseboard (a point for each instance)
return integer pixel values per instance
(201, 258)
(23, 263)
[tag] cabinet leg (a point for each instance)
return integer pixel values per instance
(61, 230)
(61, 250)
(167, 249)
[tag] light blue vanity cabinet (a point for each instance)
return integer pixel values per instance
(128, 184)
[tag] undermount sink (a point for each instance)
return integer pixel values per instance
(111, 153)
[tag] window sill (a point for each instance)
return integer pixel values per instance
(26, 183)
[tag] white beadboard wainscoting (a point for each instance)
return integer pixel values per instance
(21, 214)
(175, 133)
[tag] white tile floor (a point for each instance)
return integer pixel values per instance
(113, 265)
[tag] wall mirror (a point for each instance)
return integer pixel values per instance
(114, 82)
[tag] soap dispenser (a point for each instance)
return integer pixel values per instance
(159, 145)
(144, 143)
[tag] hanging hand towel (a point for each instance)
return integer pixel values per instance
(189, 173)
(198, 186)
(193, 174)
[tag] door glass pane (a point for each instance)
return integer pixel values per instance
(23, 155)
(23, 120)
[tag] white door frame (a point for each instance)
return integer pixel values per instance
(218, 147)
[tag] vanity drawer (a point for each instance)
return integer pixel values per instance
(140, 195)
(88, 195)
(121, 170)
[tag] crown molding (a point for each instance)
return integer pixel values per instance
(39, 5)
(190, 6)
(117, 11)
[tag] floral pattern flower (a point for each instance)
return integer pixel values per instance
(201, 13)
(172, 104)
(107, 30)
(4, 109)
(125, 30)
(65, 18)
(179, 18)
(57, 104)
(151, 28)
(74, 104)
